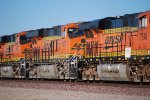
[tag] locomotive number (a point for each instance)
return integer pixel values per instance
(112, 39)
(144, 36)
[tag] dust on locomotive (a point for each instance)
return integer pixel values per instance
(109, 49)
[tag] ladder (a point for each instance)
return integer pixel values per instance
(73, 65)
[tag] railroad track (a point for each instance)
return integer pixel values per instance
(98, 88)
(88, 83)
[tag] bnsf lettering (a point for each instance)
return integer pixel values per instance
(112, 39)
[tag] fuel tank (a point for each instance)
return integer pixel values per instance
(47, 71)
(114, 72)
(7, 71)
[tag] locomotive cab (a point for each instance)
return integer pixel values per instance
(144, 20)
(144, 30)
(69, 30)
(23, 43)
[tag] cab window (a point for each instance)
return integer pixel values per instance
(143, 22)
(24, 39)
(74, 32)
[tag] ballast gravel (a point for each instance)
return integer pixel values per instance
(28, 90)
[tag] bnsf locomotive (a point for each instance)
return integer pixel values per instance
(109, 49)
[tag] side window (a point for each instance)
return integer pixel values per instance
(71, 32)
(143, 22)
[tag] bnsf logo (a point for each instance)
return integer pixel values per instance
(112, 39)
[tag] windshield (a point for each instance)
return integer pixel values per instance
(24, 39)
(72, 30)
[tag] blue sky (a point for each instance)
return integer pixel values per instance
(23, 15)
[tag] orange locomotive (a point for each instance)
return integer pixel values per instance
(12, 47)
(57, 47)
(113, 49)
(120, 45)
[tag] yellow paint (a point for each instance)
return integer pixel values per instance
(114, 54)
(52, 38)
(120, 30)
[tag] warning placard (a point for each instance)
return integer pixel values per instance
(127, 52)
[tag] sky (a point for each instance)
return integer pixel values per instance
(24, 15)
